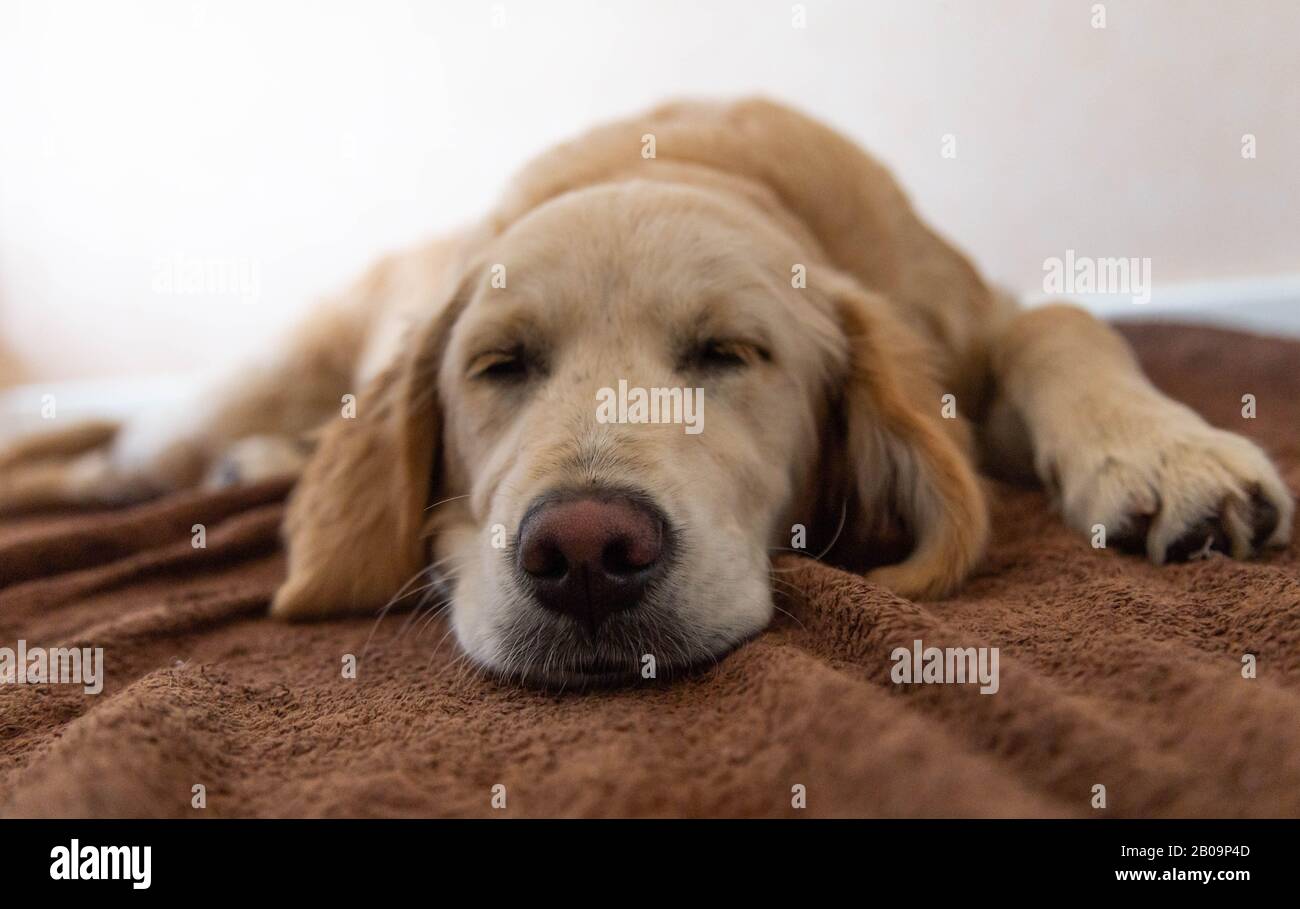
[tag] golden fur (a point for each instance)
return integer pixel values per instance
(614, 260)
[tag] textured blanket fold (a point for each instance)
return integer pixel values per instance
(1112, 673)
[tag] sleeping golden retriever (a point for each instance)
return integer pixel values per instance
(471, 418)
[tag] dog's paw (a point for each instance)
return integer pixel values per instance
(257, 458)
(1175, 488)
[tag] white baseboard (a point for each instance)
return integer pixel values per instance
(1269, 305)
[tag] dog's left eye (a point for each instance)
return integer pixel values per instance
(507, 365)
(725, 353)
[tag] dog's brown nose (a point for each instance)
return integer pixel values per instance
(590, 556)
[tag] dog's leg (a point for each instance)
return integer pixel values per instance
(1115, 452)
(144, 458)
(255, 425)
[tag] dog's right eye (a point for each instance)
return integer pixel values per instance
(725, 353)
(508, 365)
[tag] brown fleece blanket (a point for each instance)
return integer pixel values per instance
(1112, 672)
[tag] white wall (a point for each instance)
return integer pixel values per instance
(290, 142)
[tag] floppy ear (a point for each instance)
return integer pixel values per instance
(906, 461)
(355, 520)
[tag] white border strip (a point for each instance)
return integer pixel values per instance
(1268, 305)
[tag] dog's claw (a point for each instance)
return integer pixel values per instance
(1213, 491)
(1196, 544)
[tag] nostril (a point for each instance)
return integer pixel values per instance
(545, 561)
(630, 554)
(616, 558)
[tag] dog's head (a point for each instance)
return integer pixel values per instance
(634, 395)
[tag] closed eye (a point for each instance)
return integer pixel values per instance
(727, 353)
(511, 364)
